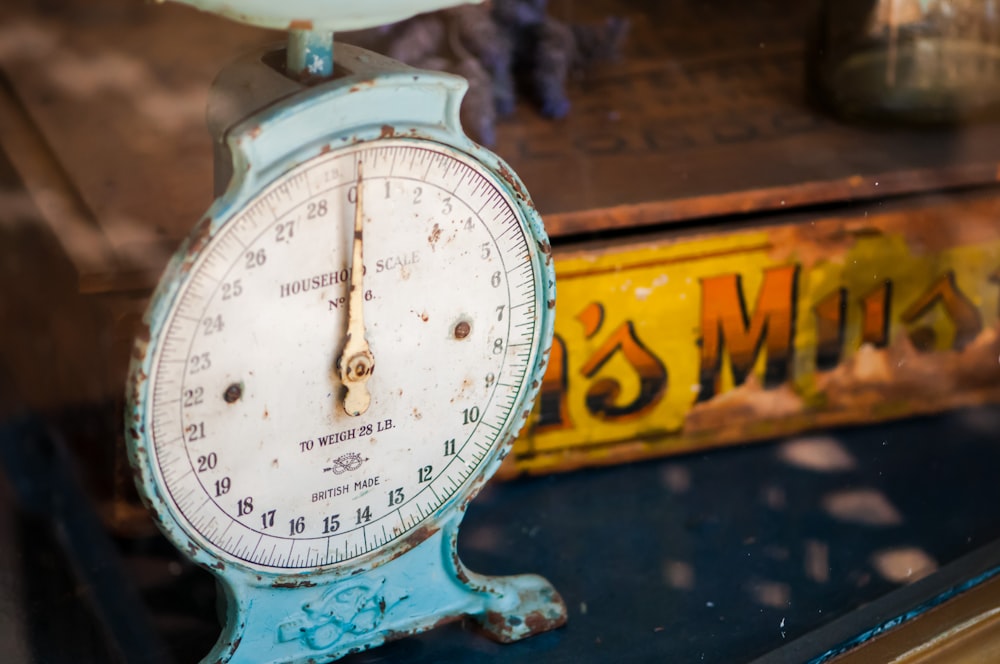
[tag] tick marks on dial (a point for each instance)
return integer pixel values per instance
(310, 483)
(233, 393)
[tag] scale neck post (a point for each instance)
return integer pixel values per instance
(310, 55)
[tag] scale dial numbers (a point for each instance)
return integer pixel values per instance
(250, 436)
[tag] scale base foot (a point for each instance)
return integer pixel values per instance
(521, 606)
(323, 618)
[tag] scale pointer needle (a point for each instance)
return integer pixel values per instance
(356, 362)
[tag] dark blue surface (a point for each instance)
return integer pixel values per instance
(690, 559)
(608, 538)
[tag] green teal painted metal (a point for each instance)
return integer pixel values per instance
(310, 54)
(321, 14)
(419, 582)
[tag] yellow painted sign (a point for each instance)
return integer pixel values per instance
(687, 343)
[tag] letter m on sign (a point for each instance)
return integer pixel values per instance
(727, 327)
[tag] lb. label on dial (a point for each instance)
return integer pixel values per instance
(251, 439)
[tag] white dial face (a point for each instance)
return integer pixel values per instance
(251, 439)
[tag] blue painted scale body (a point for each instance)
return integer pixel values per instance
(413, 584)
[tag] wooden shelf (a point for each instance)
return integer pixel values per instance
(704, 116)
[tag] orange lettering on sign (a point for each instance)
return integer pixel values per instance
(592, 318)
(958, 307)
(830, 323)
(602, 396)
(553, 411)
(995, 279)
(725, 325)
(875, 315)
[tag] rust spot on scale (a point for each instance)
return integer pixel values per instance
(388, 131)
(546, 250)
(219, 565)
(140, 345)
(143, 334)
(435, 235)
(459, 568)
(445, 620)
(300, 24)
(326, 148)
(197, 242)
(538, 622)
(301, 583)
(509, 178)
(421, 535)
(369, 83)
(254, 131)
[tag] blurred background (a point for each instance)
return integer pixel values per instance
(770, 424)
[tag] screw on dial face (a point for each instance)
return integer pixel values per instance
(260, 457)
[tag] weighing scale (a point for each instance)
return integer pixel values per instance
(343, 350)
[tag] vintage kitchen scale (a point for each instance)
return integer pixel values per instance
(343, 350)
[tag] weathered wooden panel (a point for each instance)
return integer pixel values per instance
(705, 115)
(677, 343)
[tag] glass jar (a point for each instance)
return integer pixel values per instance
(923, 61)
